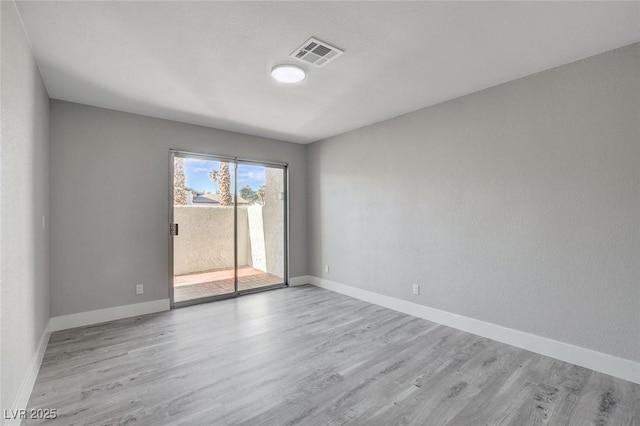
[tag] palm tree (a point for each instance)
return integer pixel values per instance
(223, 178)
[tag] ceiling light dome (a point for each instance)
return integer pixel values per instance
(286, 73)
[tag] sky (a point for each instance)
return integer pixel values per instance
(197, 174)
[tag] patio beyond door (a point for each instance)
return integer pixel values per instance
(228, 227)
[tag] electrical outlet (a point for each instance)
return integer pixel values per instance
(326, 268)
(139, 288)
(416, 289)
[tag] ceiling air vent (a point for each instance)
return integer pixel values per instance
(316, 52)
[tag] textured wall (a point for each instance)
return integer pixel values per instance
(205, 240)
(273, 219)
(110, 206)
(518, 205)
(24, 180)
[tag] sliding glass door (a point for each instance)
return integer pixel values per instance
(228, 227)
(262, 215)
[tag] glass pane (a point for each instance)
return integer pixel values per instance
(203, 208)
(261, 237)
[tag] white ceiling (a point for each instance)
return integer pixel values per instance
(208, 63)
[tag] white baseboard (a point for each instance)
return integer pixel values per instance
(597, 361)
(301, 280)
(64, 322)
(24, 393)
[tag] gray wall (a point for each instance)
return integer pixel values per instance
(109, 201)
(518, 205)
(24, 188)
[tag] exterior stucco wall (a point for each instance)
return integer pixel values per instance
(273, 219)
(205, 240)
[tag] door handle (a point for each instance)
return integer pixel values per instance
(173, 229)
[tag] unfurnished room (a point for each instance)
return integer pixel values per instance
(320, 213)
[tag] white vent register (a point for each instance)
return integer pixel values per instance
(316, 52)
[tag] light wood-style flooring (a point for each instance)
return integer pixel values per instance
(307, 356)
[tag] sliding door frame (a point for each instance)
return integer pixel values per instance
(180, 153)
(285, 176)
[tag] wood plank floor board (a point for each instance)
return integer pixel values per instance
(307, 356)
(444, 397)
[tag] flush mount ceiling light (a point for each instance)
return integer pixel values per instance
(286, 73)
